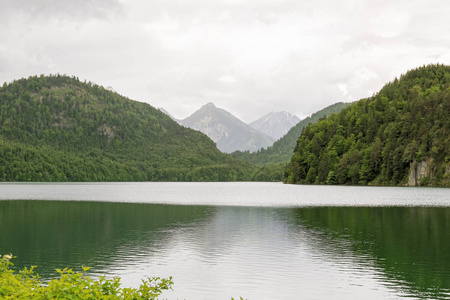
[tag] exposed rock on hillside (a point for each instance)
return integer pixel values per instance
(275, 124)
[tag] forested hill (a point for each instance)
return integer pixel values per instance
(57, 128)
(281, 151)
(400, 136)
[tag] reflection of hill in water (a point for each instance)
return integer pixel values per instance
(410, 245)
(58, 234)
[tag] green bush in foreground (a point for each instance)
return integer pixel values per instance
(72, 285)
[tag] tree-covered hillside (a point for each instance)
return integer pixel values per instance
(57, 128)
(399, 136)
(281, 151)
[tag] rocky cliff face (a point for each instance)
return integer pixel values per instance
(446, 181)
(420, 173)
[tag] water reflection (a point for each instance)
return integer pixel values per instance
(58, 234)
(410, 245)
(215, 252)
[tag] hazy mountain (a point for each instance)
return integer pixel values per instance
(227, 131)
(168, 114)
(275, 124)
(110, 88)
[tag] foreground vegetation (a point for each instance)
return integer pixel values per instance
(26, 284)
(72, 285)
(57, 128)
(399, 135)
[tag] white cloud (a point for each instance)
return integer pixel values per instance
(391, 24)
(227, 79)
(250, 57)
(343, 88)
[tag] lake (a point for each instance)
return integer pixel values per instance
(223, 240)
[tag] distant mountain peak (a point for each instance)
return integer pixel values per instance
(275, 124)
(209, 105)
(109, 88)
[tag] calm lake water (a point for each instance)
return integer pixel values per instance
(223, 240)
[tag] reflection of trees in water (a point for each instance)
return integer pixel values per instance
(56, 234)
(410, 247)
(410, 244)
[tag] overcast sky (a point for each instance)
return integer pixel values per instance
(248, 57)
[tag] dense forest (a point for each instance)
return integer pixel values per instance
(57, 128)
(400, 136)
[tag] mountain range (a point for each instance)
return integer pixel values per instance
(228, 132)
(231, 134)
(57, 128)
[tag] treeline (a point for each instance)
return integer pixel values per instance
(57, 128)
(377, 140)
(22, 162)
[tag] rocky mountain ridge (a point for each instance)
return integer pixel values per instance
(275, 124)
(228, 132)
